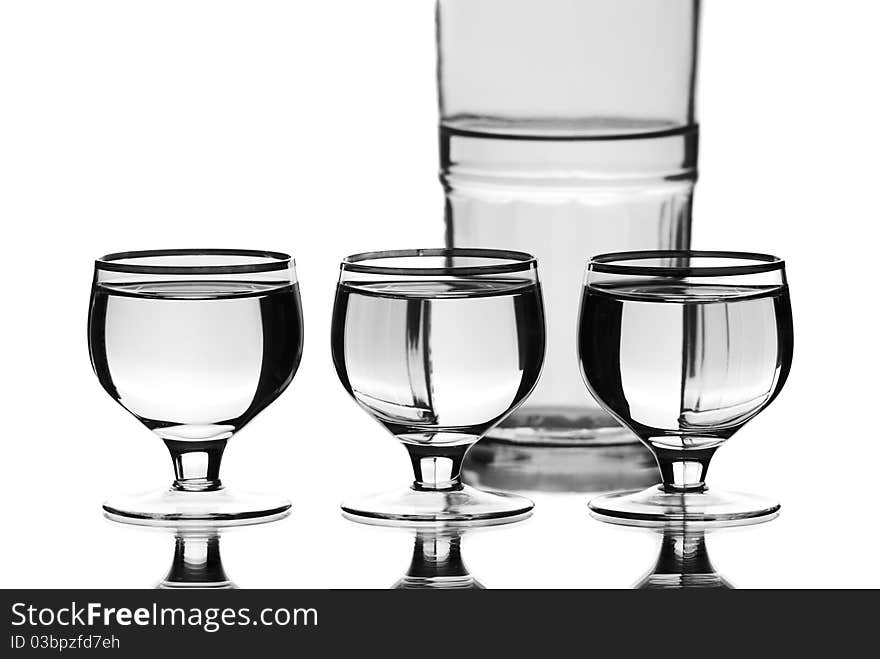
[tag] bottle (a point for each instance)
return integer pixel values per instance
(567, 129)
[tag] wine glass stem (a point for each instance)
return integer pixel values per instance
(437, 467)
(196, 464)
(684, 471)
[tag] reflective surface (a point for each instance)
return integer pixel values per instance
(437, 564)
(197, 562)
(683, 563)
(559, 547)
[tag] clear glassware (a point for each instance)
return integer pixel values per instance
(437, 564)
(197, 563)
(194, 343)
(683, 562)
(438, 346)
(566, 129)
(684, 348)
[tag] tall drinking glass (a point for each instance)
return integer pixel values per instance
(195, 343)
(567, 129)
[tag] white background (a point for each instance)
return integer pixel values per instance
(309, 127)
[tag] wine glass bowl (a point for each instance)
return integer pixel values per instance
(438, 346)
(684, 348)
(194, 344)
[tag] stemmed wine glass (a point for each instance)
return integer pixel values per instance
(684, 348)
(438, 345)
(194, 343)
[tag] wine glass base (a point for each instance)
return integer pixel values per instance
(654, 507)
(216, 508)
(465, 507)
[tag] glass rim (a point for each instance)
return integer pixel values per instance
(608, 263)
(509, 261)
(274, 261)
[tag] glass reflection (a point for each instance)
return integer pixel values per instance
(683, 562)
(437, 564)
(197, 562)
